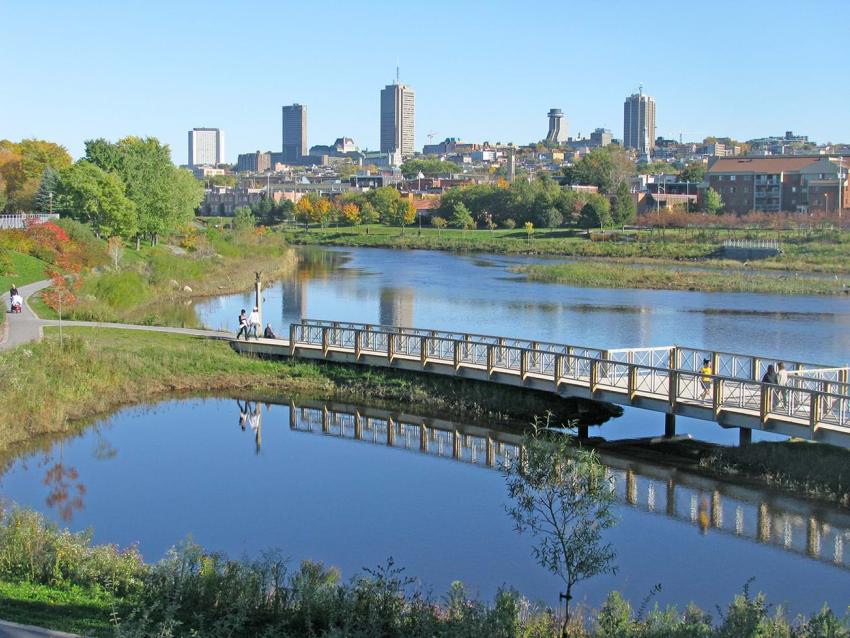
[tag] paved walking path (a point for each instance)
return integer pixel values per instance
(14, 630)
(27, 327)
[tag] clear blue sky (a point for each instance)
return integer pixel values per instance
(481, 70)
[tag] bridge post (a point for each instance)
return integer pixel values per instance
(456, 445)
(812, 537)
(390, 432)
(672, 388)
(632, 385)
(326, 420)
(490, 358)
(745, 436)
(755, 364)
(814, 410)
(292, 331)
(456, 355)
(631, 487)
(358, 344)
(559, 370)
(535, 355)
(325, 341)
(764, 403)
(390, 346)
(594, 374)
(423, 351)
(523, 364)
(717, 397)
(423, 438)
(582, 431)
(673, 358)
(669, 425)
(358, 425)
(671, 497)
(293, 416)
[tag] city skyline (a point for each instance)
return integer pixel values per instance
(165, 90)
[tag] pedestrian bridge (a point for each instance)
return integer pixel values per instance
(814, 405)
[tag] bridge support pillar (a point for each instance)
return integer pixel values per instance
(582, 431)
(669, 425)
(745, 436)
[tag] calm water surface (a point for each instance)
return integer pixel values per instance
(300, 482)
(478, 293)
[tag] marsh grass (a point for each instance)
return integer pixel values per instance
(599, 274)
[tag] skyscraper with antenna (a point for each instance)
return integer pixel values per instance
(398, 115)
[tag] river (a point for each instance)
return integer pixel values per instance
(477, 293)
(302, 478)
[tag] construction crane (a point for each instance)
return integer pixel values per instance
(431, 135)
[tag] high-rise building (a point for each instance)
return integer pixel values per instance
(557, 127)
(294, 140)
(206, 147)
(398, 112)
(639, 122)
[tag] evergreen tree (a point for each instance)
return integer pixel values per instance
(50, 183)
(624, 210)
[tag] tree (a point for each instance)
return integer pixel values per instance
(321, 211)
(115, 248)
(304, 211)
(694, 173)
(350, 213)
(244, 219)
(529, 230)
(384, 201)
(22, 166)
(402, 214)
(461, 217)
(428, 167)
(47, 190)
(624, 210)
(550, 218)
(596, 212)
(439, 223)
(603, 167)
(562, 496)
(368, 214)
(165, 196)
(712, 203)
(92, 196)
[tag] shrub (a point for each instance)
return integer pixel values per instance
(119, 289)
(36, 551)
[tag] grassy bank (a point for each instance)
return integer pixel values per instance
(60, 580)
(157, 285)
(99, 370)
(605, 275)
(804, 251)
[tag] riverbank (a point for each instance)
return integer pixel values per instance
(158, 285)
(600, 274)
(802, 251)
(99, 370)
(61, 581)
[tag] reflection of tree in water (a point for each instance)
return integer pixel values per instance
(66, 491)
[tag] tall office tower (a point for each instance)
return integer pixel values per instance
(639, 122)
(557, 127)
(206, 147)
(294, 132)
(398, 112)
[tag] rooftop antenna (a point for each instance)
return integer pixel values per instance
(396, 73)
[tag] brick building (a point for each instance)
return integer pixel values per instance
(796, 183)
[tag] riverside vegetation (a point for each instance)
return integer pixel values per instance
(62, 581)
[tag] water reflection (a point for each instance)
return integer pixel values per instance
(251, 414)
(447, 291)
(794, 525)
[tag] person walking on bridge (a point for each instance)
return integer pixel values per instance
(243, 325)
(254, 323)
(781, 379)
(705, 379)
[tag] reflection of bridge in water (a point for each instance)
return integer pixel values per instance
(792, 524)
(726, 388)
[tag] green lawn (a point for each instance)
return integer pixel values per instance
(27, 270)
(72, 609)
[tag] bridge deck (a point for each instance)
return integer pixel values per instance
(814, 405)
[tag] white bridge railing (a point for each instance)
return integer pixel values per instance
(669, 373)
(20, 220)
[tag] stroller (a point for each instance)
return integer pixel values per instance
(17, 303)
